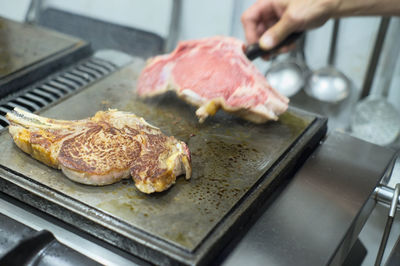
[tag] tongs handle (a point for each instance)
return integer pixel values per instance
(254, 50)
(389, 223)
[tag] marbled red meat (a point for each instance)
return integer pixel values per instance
(213, 73)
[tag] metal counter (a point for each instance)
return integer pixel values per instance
(317, 217)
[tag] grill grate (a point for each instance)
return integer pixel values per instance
(56, 87)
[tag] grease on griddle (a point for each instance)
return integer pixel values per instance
(220, 184)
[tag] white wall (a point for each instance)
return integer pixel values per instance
(205, 18)
(222, 17)
(14, 9)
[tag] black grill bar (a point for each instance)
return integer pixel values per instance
(3, 122)
(76, 78)
(104, 62)
(61, 85)
(5, 109)
(97, 68)
(26, 101)
(12, 105)
(85, 76)
(94, 74)
(56, 87)
(101, 64)
(23, 103)
(2, 112)
(50, 98)
(39, 102)
(53, 91)
(71, 83)
(34, 96)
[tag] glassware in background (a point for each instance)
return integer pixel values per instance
(288, 75)
(375, 119)
(328, 84)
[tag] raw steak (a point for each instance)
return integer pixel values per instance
(212, 73)
(103, 149)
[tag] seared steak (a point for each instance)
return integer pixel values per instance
(103, 149)
(212, 73)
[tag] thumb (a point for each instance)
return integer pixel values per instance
(277, 33)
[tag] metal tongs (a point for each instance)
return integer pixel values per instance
(254, 50)
(389, 223)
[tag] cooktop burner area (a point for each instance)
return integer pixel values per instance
(21, 245)
(22, 45)
(28, 53)
(57, 87)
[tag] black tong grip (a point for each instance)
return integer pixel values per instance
(254, 50)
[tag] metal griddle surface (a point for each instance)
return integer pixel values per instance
(229, 156)
(22, 45)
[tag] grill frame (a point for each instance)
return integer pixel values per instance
(139, 243)
(114, 231)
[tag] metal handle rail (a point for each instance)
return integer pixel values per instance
(372, 65)
(386, 194)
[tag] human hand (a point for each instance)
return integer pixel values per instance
(269, 22)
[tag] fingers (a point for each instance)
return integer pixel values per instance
(278, 32)
(251, 20)
(283, 50)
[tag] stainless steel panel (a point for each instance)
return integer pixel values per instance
(316, 219)
(22, 45)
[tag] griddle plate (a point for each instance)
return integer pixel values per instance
(229, 156)
(22, 45)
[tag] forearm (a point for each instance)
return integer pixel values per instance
(366, 8)
(271, 21)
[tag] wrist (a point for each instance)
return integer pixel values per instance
(350, 8)
(365, 7)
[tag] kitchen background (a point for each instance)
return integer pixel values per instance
(207, 18)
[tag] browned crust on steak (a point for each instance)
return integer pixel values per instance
(100, 150)
(103, 149)
(146, 165)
